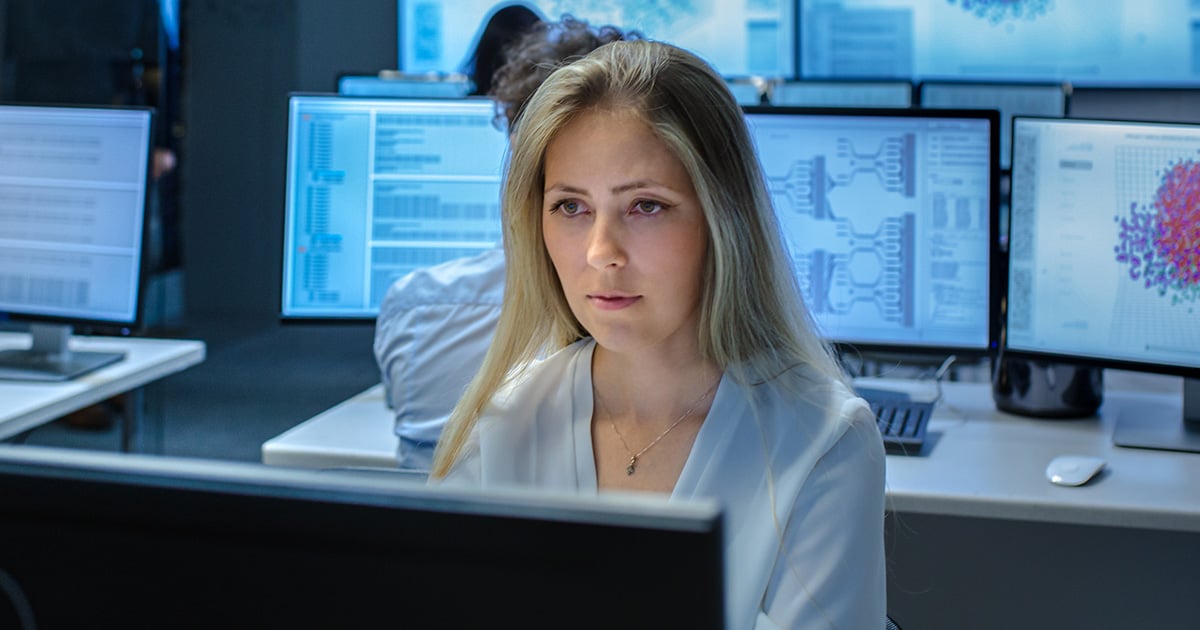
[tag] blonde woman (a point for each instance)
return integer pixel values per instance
(652, 338)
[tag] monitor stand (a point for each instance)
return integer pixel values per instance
(50, 359)
(1148, 426)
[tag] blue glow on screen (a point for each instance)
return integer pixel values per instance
(750, 37)
(1110, 42)
(379, 187)
(887, 221)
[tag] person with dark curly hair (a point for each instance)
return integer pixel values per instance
(539, 52)
(435, 324)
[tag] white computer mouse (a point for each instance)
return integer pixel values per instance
(1073, 470)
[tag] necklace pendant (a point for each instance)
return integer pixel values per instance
(629, 470)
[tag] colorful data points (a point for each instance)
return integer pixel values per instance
(1160, 241)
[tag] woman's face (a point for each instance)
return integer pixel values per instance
(625, 232)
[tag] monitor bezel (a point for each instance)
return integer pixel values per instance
(997, 257)
(88, 325)
(339, 319)
(1078, 359)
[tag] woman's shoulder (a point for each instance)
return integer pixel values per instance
(809, 400)
(540, 378)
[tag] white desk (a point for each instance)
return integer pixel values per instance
(26, 405)
(357, 433)
(977, 538)
(978, 462)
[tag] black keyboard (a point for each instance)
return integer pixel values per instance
(901, 420)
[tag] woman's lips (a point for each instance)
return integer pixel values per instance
(612, 301)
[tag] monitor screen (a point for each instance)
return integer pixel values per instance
(1104, 245)
(108, 539)
(379, 187)
(739, 38)
(890, 218)
(841, 93)
(1010, 99)
(746, 91)
(73, 184)
(1129, 42)
(73, 203)
(421, 86)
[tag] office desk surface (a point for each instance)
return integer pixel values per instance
(985, 463)
(977, 462)
(25, 405)
(357, 433)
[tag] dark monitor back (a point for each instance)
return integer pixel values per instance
(110, 540)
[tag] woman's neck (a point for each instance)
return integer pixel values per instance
(649, 386)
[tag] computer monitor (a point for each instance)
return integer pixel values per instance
(1010, 99)
(739, 38)
(1104, 260)
(746, 90)
(118, 540)
(378, 187)
(841, 93)
(1158, 104)
(1130, 43)
(73, 193)
(890, 219)
(404, 85)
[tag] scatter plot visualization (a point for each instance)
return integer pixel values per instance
(997, 11)
(1160, 239)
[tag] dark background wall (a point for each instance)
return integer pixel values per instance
(241, 61)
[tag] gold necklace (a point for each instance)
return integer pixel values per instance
(633, 457)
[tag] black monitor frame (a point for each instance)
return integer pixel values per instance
(109, 539)
(997, 260)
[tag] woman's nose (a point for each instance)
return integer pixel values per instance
(605, 248)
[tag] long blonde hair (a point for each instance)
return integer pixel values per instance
(752, 316)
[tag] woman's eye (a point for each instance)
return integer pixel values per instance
(568, 207)
(647, 206)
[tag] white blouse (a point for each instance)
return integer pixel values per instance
(816, 562)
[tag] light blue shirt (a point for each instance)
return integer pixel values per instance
(803, 544)
(433, 329)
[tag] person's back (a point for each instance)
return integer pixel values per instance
(435, 324)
